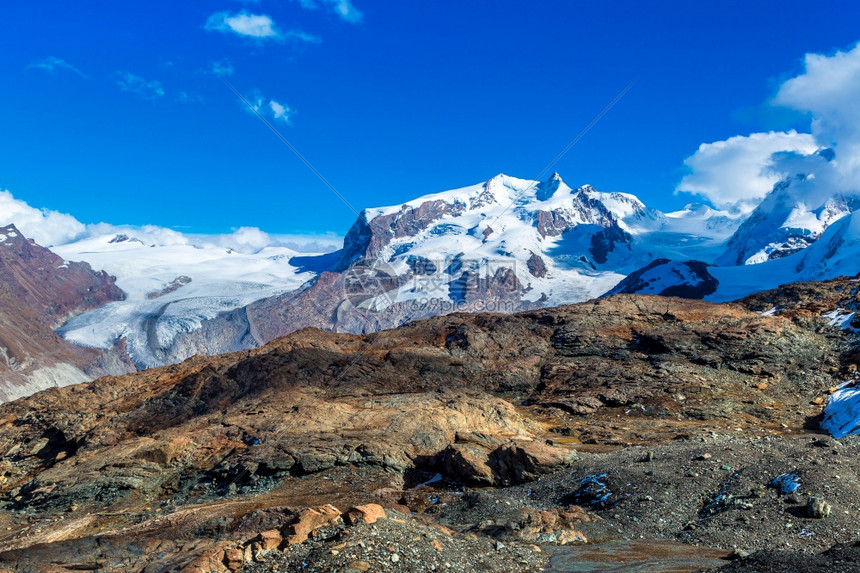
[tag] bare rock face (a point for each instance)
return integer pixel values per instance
(365, 239)
(537, 266)
(38, 292)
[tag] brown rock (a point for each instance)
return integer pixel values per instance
(234, 558)
(521, 461)
(469, 464)
(567, 536)
(367, 513)
(271, 539)
(310, 520)
(359, 566)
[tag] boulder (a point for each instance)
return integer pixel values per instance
(367, 513)
(309, 520)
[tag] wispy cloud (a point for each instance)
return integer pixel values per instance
(301, 36)
(52, 65)
(150, 89)
(271, 108)
(343, 8)
(221, 68)
(255, 27)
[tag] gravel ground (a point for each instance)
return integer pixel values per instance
(713, 493)
(402, 543)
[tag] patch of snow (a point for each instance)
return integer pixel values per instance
(842, 412)
(839, 318)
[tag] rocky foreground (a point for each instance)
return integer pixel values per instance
(458, 443)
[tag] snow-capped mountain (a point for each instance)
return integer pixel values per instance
(505, 244)
(835, 253)
(562, 244)
(789, 219)
(685, 279)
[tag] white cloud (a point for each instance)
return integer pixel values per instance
(255, 27)
(269, 107)
(280, 111)
(343, 8)
(244, 24)
(829, 90)
(738, 172)
(52, 64)
(44, 226)
(149, 89)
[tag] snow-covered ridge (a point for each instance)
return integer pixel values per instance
(563, 244)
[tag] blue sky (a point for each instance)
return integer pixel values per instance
(117, 111)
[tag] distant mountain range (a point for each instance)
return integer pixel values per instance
(503, 245)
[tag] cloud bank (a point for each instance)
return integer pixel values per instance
(52, 228)
(44, 226)
(738, 172)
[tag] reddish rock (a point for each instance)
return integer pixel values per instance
(310, 520)
(39, 291)
(234, 558)
(367, 513)
(271, 539)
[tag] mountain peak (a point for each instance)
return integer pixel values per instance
(547, 189)
(9, 232)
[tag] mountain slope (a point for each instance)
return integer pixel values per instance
(38, 292)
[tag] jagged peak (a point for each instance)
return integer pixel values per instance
(548, 188)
